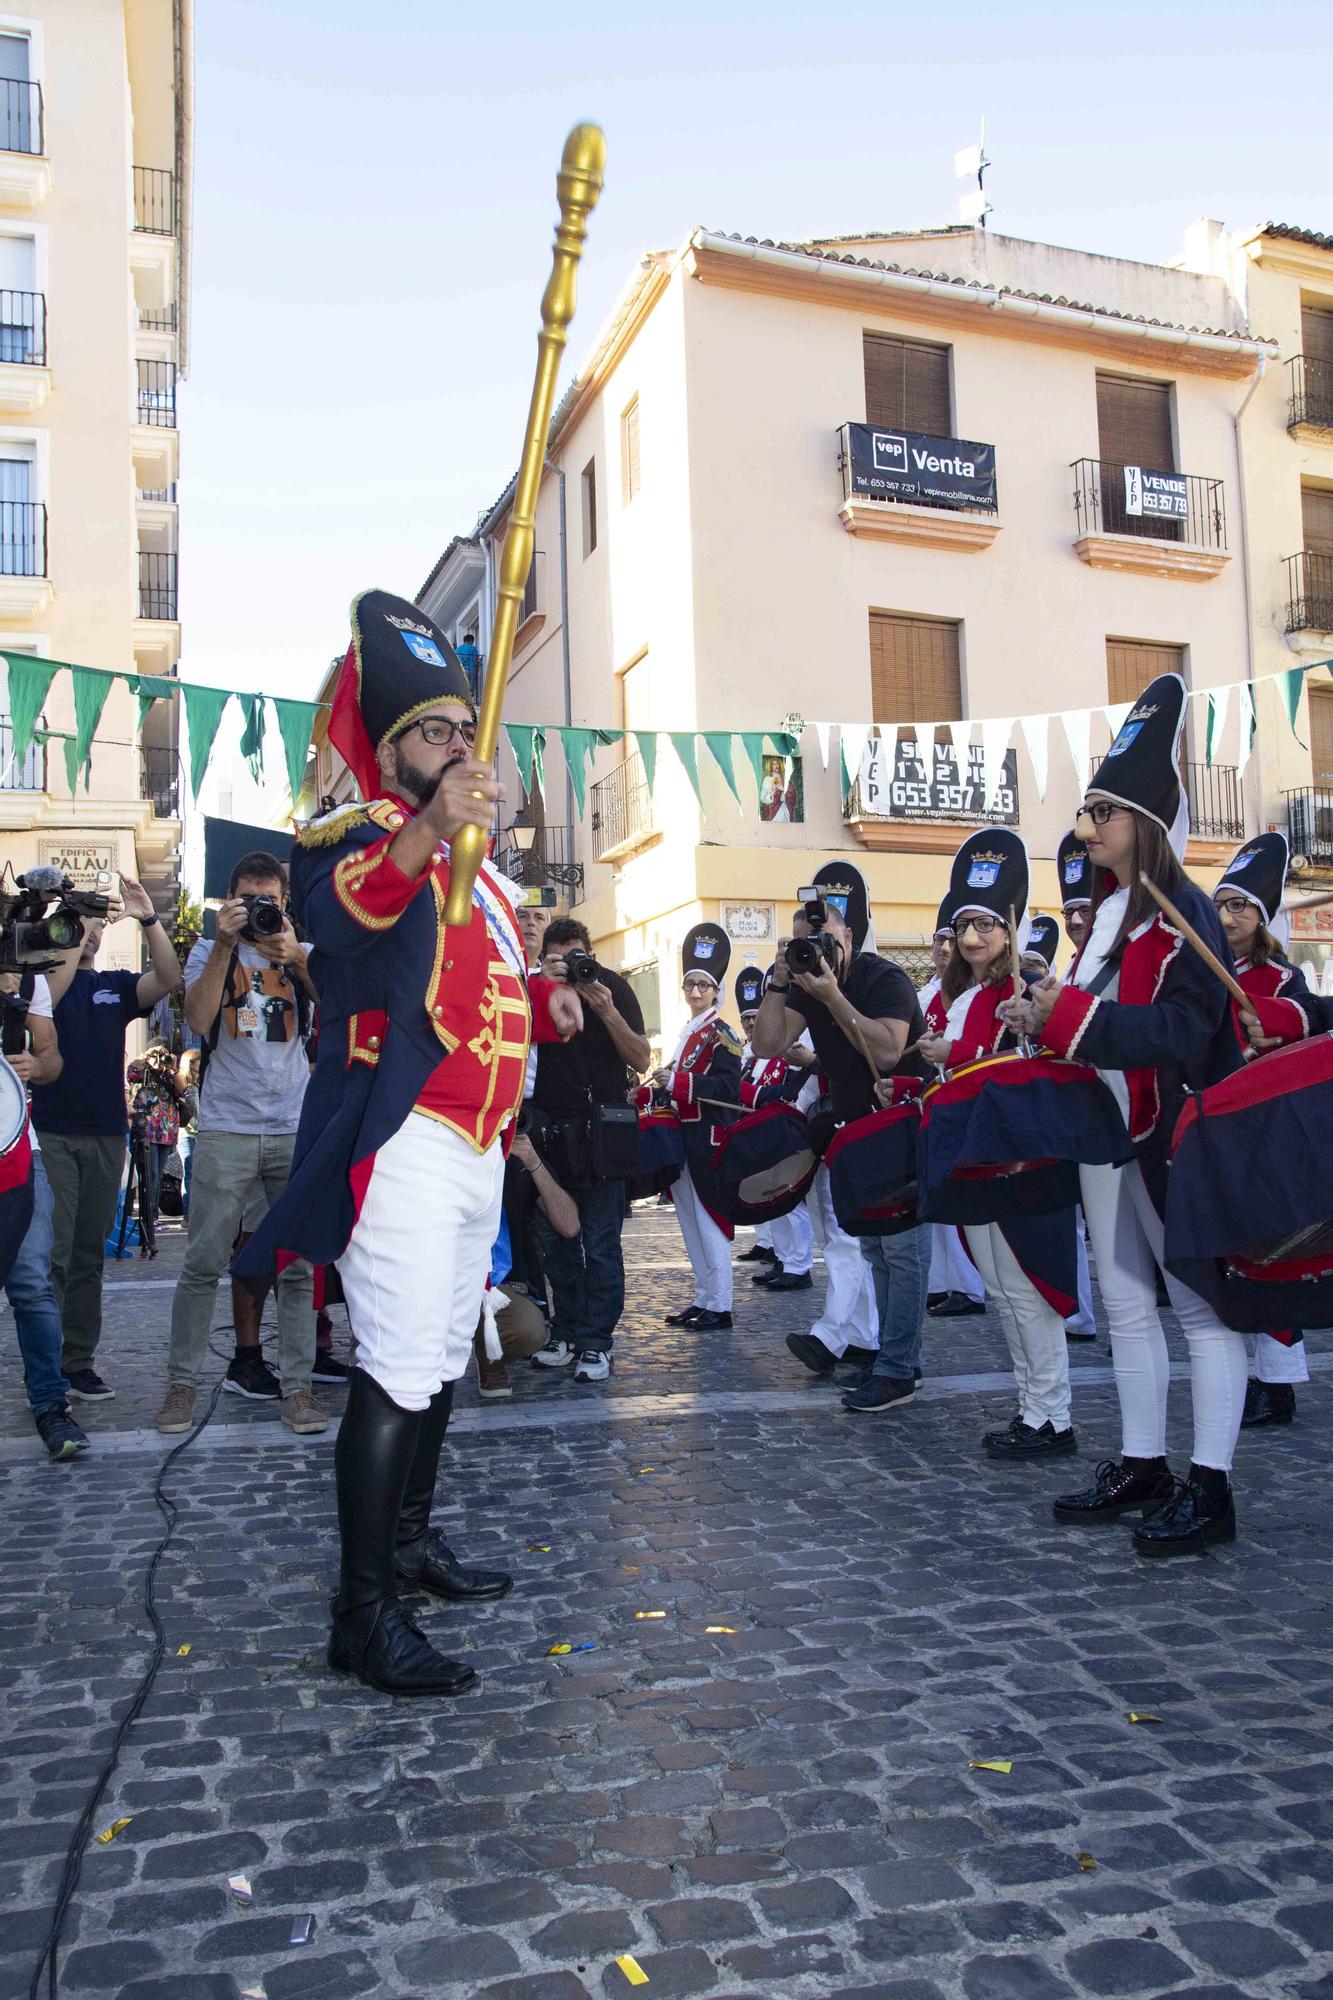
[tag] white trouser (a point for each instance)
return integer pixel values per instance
(793, 1240)
(1084, 1320)
(1034, 1330)
(849, 1318)
(419, 1256)
(763, 1236)
(1126, 1233)
(1275, 1363)
(951, 1269)
(706, 1247)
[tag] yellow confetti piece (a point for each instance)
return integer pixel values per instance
(632, 1970)
(639, 1471)
(565, 1648)
(719, 1628)
(540, 1548)
(992, 1764)
(1086, 1863)
(181, 1652)
(117, 1826)
(1134, 1716)
(650, 1614)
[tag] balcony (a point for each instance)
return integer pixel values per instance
(156, 444)
(30, 776)
(158, 319)
(160, 781)
(548, 859)
(1217, 801)
(25, 380)
(1310, 826)
(1309, 593)
(25, 172)
(1131, 517)
(622, 812)
(1310, 403)
(155, 404)
(157, 632)
(935, 493)
(157, 584)
(24, 588)
(155, 201)
(909, 797)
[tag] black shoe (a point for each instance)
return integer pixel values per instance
(421, 1558)
(861, 1357)
(769, 1276)
(685, 1318)
(1015, 1423)
(248, 1374)
(1268, 1403)
(711, 1322)
(1029, 1441)
(756, 1254)
(87, 1386)
(384, 1647)
(1139, 1486)
(59, 1433)
(328, 1368)
(810, 1349)
(1076, 1334)
(790, 1281)
(956, 1305)
(1200, 1511)
(933, 1299)
(881, 1392)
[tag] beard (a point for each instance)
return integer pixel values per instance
(412, 780)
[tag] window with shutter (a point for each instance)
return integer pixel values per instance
(1317, 334)
(1132, 663)
(1134, 428)
(629, 452)
(1321, 737)
(907, 385)
(589, 485)
(1317, 520)
(914, 669)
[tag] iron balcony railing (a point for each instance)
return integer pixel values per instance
(157, 584)
(156, 492)
(1216, 799)
(20, 116)
(23, 327)
(1309, 592)
(22, 538)
(155, 200)
(549, 857)
(157, 394)
(1101, 506)
(30, 775)
(158, 319)
(622, 806)
(1311, 398)
(160, 779)
(1310, 824)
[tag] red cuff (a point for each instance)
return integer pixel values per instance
(1284, 1019)
(1069, 1018)
(681, 1088)
(540, 990)
(643, 1097)
(374, 889)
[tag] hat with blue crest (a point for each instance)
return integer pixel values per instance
(1074, 867)
(750, 983)
(706, 949)
(398, 667)
(1258, 872)
(990, 874)
(1141, 769)
(1043, 940)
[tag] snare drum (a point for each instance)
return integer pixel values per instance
(872, 1166)
(764, 1164)
(661, 1153)
(15, 1167)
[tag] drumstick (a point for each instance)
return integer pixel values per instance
(1013, 954)
(1311, 902)
(1205, 951)
(864, 1047)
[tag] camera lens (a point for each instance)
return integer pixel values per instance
(802, 955)
(63, 930)
(265, 917)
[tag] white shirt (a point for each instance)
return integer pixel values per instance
(1105, 925)
(39, 1008)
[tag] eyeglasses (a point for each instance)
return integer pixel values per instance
(1100, 813)
(439, 731)
(1234, 906)
(983, 926)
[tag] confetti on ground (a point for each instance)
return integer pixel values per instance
(181, 1652)
(719, 1628)
(551, 1651)
(540, 1548)
(992, 1764)
(301, 1929)
(639, 1471)
(1086, 1862)
(564, 1646)
(632, 1970)
(650, 1614)
(239, 1886)
(253, 1993)
(109, 1833)
(1134, 1716)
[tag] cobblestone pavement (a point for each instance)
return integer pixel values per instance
(789, 1807)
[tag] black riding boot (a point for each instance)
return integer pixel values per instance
(373, 1636)
(422, 1560)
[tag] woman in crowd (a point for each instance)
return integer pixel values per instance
(706, 1064)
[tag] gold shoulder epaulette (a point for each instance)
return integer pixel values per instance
(728, 1035)
(329, 828)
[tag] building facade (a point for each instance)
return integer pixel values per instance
(95, 175)
(927, 478)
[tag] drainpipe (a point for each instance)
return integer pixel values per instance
(564, 639)
(1245, 547)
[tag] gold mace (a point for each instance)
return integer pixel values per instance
(577, 187)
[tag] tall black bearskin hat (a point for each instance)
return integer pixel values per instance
(749, 989)
(398, 666)
(1142, 767)
(944, 918)
(1259, 873)
(1043, 940)
(706, 949)
(842, 885)
(990, 874)
(1075, 871)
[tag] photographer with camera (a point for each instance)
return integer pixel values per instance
(155, 1097)
(82, 1117)
(856, 1004)
(249, 996)
(576, 1081)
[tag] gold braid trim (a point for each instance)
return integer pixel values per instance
(329, 829)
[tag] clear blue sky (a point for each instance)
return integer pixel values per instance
(374, 201)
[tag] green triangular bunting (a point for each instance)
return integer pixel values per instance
(151, 688)
(646, 743)
(719, 743)
(522, 741)
(252, 734)
(752, 742)
(1289, 685)
(90, 693)
(29, 683)
(683, 744)
(579, 745)
(203, 713)
(296, 724)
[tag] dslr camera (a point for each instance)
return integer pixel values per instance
(265, 918)
(42, 916)
(581, 968)
(807, 954)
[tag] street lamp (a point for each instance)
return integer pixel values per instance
(522, 835)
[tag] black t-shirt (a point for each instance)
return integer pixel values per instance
(882, 992)
(567, 1071)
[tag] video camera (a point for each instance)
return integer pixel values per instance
(580, 966)
(33, 935)
(265, 919)
(808, 953)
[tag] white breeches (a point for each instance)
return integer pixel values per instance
(706, 1247)
(1033, 1330)
(793, 1240)
(849, 1318)
(419, 1256)
(1084, 1320)
(1275, 1363)
(951, 1269)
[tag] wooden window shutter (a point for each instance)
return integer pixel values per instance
(914, 669)
(629, 451)
(1317, 519)
(1317, 334)
(907, 384)
(1134, 423)
(1321, 737)
(1132, 663)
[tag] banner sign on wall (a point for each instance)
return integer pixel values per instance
(912, 779)
(1161, 493)
(934, 472)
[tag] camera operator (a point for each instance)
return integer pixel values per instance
(587, 1271)
(853, 1002)
(249, 995)
(82, 1119)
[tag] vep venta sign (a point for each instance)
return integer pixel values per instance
(1162, 493)
(934, 472)
(910, 779)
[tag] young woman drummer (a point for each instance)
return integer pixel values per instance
(1145, 1009)
(706, 1064)
(1249, 901)
(1028, 1266)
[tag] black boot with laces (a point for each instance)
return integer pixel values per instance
(1199, 1512)
(1139, 1486)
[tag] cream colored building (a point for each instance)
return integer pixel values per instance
(707, 561)
(95, 170)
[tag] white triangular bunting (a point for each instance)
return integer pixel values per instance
(1078, 734)
(960, 734)
(1219, 701)
(995, 733)
(1116, 711)
(1245, 702)
(1036, 734)
(823, 736)
(853, 737)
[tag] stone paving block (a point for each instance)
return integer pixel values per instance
(106, 1968)
(538, 1986)
(672, 1975)
(1012, 1976)
(796, 1906)
(1009, 1923)
(432, 1963)
(791, 1958)
(1232, 1946)
(1312, 1922)
(335, 1976)
(1126, 1965)
(504, 1902)
(585, 1934)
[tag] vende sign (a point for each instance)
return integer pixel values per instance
(1161, 493)
(909, 465)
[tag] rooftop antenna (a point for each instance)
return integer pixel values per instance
(973, 208)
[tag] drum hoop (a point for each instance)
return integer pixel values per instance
(998, 1059)
(13, 1110)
